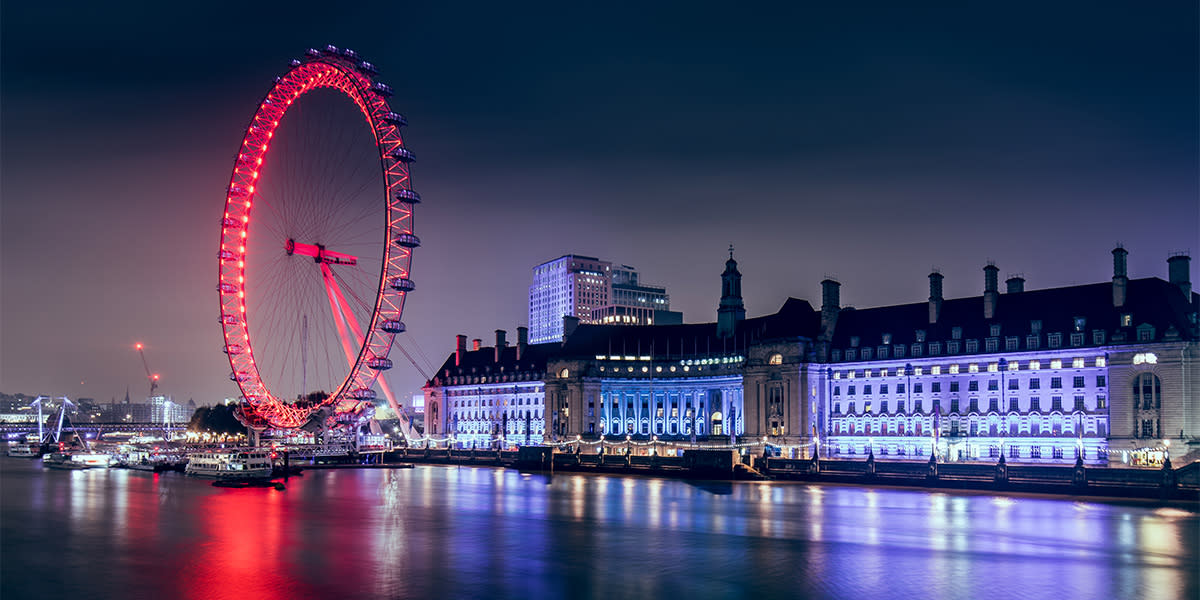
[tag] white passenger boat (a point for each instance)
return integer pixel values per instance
(229, 464)
(25, 449)
(77, 460)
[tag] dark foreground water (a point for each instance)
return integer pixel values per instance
(449, 533)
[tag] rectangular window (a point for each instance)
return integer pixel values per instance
(851, 408)
(1098, 336)
(920, 336)
(953, 386)
(917, 388)
(1147, 428)
(1032, 341)
(994, 405)
(1101, 381)
(1035, 404)
(994, 330)
(972, 346)
(1145, 335)
(899, 388)
(935, 348)
(837, 390)
(850, 390)
(898, 351)
(1035, 452)
(866, 354)
(883, 406)
(1056, 403)
(972, 386)
(837, 355)
(917, 405)
(1012, 405)
(1012, 343)
(1079, 403)
(883, 388)
(1035, 383)
(1126, 320)
(1078, 381)
(953, 346)
(1056, 383)
(916, 350)
(935, 387)
(881, 352)
(974, 405)
(867, 390)
(851, 354)
(900, 406)
(1101, 402)
(953, 405)
(1076, 340)
(1054, 340)
(993, 385)
(1014, 384)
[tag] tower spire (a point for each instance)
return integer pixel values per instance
(730, 310)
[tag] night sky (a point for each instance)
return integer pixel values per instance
(871, 144)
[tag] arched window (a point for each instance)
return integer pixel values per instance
(564, 373)
(775, 359)
(717, 423)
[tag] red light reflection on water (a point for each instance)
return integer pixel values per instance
(240, 553)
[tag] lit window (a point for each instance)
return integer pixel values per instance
(993, 367)
(1077, 363)
(868, 373)
(1126, 320)
(1035, 365)
(935, 370)
(883, 372)
(1100, 362)
(775, 359)
(837, 374)
(1056, 364)
(954, 369)
(1014, 365)
(973, 368)
(849, 374)
(918, 371)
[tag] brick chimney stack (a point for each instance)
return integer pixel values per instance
(935, 296)
(460, 348)
(501, 343)
(1120, 276)
(991, 290)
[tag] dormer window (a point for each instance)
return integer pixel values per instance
(854, 341)
(956, 333)
(920, 335)
(1126, 320)
(995, 330)
(1035, 326)
(887, 338)
(1080, 323)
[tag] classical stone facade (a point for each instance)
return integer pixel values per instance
(1104, 373)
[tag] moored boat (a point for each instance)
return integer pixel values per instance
(77, 460)
(230, 464)
(25, 449)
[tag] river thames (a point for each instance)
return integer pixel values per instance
(450, 532)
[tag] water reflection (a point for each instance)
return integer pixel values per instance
(436, 532)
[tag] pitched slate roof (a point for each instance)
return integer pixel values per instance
(1150, 301)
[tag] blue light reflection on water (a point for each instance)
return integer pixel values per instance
(487, 533)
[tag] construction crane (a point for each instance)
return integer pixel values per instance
(153, 377)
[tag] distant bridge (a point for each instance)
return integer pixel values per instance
(13, 430)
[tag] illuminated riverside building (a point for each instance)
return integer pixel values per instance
(1107, 372)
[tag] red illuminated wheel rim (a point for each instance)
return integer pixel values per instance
(316, 244)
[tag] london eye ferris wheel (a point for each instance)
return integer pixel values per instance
(316, 244)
